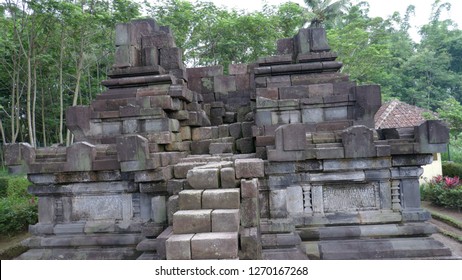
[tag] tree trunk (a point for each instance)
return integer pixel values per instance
(34, 103)
(3, 132)
(29, 101)
(13, 102)
(44, 134)
(77, 84)
(61, 98)
(15, 98)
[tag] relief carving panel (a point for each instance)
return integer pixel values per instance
(350, 197)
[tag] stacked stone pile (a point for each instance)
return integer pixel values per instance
(210, 216)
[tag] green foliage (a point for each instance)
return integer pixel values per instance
(433, 72)
(68, 39)
(56, 35)
(291, 17)
(16, 214)
(455, 149)
(452, 169)
(326, 11)
(443, 191)
(380, 51)
(451, 111)
(18, 209)
(3, 186)
(364, 46)
(211, 35)
(17, 187)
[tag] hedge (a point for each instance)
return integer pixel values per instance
(452, 169)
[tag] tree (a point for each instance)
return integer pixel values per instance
(326, 11)
(291, 17)
(365, 46)
(53, 53)
(451, 111)
(212, 35)
(432, 73)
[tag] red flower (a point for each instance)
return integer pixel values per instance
(437, 179)
(451, 183)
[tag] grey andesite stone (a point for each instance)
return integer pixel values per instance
(221, 199)
(190, 199)
(216, 245)
(192, 221)
(228, 177)
(204, 178)
(178, 247)
(249, 168)
(225, 220)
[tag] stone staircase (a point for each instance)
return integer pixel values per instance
(216, 215)
(206, 226)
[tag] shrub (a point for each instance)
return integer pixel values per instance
(17, 187)
(3, 186)
(16, 214)
(443, 191)
(452, 169)
(18, 209)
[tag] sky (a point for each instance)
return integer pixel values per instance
(378, 8)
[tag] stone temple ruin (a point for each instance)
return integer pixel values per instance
(277, 160)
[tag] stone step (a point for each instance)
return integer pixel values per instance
(277, 225)
(294, 253)
(204, 178)
(148, 245)
(84, 240)
(205, 220)
(207, 176)
(221, 199)
(366, 231)
(73, 253)
(280, 240)
(396, 248)
(192, 221)
(209, 199)
(148, 257)
(212, 245)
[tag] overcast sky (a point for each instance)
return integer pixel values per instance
(381, 8)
